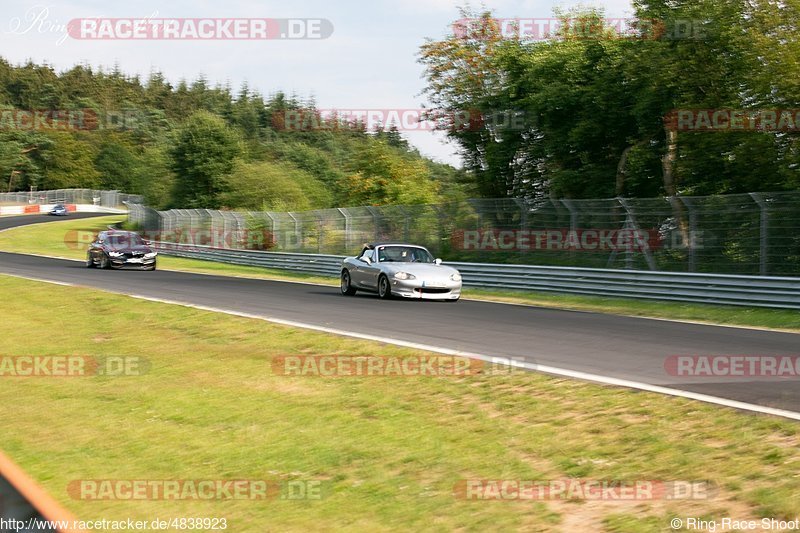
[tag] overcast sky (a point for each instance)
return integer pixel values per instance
(369, 61)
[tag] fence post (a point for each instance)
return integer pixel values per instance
(318, 216)
(631, 223)
(573, 223)
(272, 232)
(298, 237)
(406, 227)
(692, 231)
(763, 244)
(376, 221)
(346, 228)
(442, 217)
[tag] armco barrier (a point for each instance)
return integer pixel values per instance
(755, 291)
(324, 265)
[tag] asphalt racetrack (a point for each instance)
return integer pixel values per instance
(635, 349)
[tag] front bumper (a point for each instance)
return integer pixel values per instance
(426, 290)
(132, 262)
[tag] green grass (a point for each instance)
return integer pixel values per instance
(388, 450)
(54, 239)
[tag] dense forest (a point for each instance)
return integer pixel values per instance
(588, 107)
(591, 102)
(194, 145)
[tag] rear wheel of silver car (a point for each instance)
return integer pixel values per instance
(347, 289)
(384, 289)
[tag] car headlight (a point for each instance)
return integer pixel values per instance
(150, 255)
(115, 254)
(455, 277)
(404, 275)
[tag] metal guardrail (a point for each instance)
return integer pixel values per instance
(320, 264)
(754, 291)
(739, 234)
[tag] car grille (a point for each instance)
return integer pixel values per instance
(432, 290)
(128, 255)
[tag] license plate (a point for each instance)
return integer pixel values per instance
(432, 284)
(134, 260)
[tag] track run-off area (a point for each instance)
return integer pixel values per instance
(616, 350)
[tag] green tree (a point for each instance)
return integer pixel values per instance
(463, 75)
(379, 175)
(12, 157)
(273, 186)
(117, 166)
(203, 154)
(592, 106)
(69, 163)
(178, 145)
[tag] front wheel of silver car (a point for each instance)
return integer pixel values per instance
(90, 261)
(105, 262)
(347, 288)
(384, 289)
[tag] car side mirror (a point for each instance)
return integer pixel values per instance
(437, 261)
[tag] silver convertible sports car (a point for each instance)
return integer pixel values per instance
(403, 270)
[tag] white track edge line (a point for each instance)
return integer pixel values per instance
(575, 374)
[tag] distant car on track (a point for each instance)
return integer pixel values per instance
(119, 249)
(59, 210)
(404, 270)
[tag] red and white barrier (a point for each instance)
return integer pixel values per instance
(45, 208)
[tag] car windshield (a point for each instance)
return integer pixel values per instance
(124, 240)
(404, 254)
